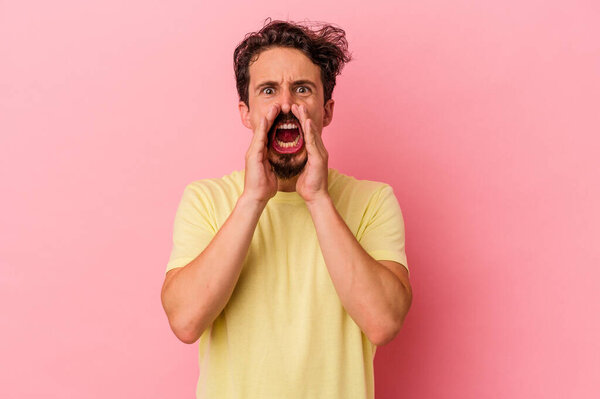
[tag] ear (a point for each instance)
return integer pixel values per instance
(328, 115)
(245, 114)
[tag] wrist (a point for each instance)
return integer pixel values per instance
(247, 202)
(319, 202)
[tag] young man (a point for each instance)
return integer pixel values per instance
(288, 272)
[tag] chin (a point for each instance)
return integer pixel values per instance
(288, 166)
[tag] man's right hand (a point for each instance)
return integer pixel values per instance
(260, 182)
(190, 307)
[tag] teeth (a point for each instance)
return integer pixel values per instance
(287, 126)
(287, 145)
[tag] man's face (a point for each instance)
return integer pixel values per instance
(285, 76)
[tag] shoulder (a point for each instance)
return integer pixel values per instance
(230, 185)
(346, 187)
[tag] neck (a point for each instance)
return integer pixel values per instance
(287, 185)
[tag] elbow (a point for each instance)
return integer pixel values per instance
(183, 327)
(186, 338)
(386, 330)
(185, 334)
(383, 336)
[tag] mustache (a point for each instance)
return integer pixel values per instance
(285, 118)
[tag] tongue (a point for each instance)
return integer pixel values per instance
(287, 135)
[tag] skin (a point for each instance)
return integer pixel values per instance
(284, 67)
(376, 294)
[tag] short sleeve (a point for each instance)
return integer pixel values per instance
(193, 228)
(383, 237)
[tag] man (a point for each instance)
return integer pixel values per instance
(289, 273)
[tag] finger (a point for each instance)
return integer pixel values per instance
(317, 135)
(259, 140)
(314, 130)
(309, 139)
(271, 115)
(299, 114)
(312, 138)
(256, 142)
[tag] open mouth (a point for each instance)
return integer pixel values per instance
(286, 137)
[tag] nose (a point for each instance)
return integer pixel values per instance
(286, 101)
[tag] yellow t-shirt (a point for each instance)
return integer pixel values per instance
(284, 332)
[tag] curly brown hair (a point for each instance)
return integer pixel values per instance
(326, 46)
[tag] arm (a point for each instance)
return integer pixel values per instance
(377, 295)
(194, 295)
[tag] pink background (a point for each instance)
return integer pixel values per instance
(483, 116)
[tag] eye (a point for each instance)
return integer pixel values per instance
(304, 89)
(267, 88)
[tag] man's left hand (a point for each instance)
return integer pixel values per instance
(312, 183)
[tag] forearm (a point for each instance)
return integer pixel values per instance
(372, 295)
(199, 291)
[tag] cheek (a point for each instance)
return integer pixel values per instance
(317, 118)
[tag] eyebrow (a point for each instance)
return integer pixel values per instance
(296, 82)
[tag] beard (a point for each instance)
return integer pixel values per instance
(285, 166)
